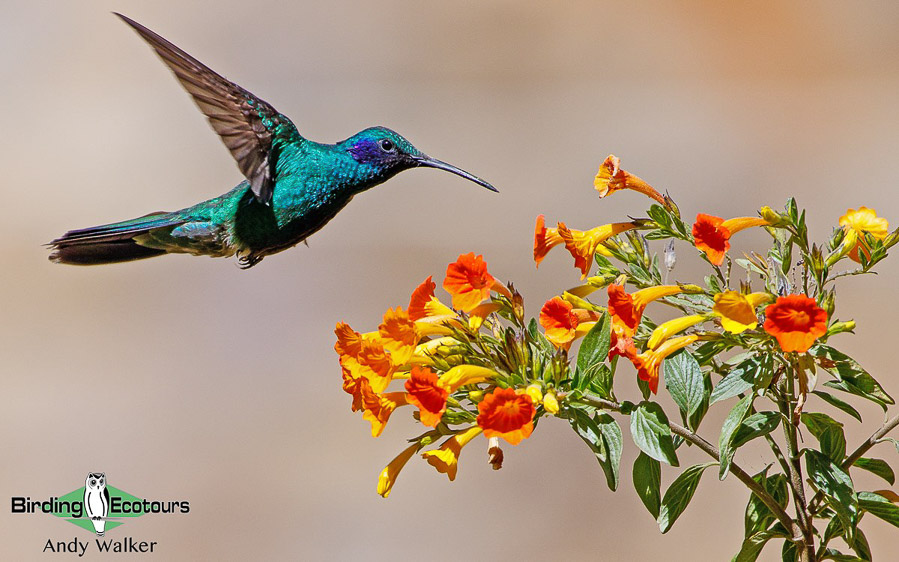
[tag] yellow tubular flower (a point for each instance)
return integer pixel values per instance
(645, 296)
(737, 224)
(479, 313)
(862, 221)
(446, 458)
(671, 327)
(582, 245)
(737, 311)
(388, 476)
(462, 375)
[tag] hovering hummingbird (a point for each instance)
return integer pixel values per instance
(293, 186)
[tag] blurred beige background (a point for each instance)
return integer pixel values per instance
(188, 378)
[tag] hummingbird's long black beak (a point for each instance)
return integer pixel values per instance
(429, 162)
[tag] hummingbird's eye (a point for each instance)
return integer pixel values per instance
(387, 145)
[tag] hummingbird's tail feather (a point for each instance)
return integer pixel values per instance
(111, 243)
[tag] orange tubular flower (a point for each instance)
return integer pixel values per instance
(378, 407)
(399, 335)
(545, 239)
(446, 458)
(560, 321)
(796, 321)
(468, 281)
(648, 362)
(507, 414)
(427, 395)
(711, 235)
(864, 220)
(582, 245)
(364, 358)
(612, 178)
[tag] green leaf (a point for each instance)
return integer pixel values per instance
(594, 349)
(879, 467)
(684, 381)
(589, 431)
(647, 476)
(651, 432)
(879, 506)
(758, 516)
(679, 494)
(828, 432)
(833, 554)
(728, 431)
(753, 545)
(694, 419)
(742, 377)
(835, 484)
(756, 425)
(837, 403)
(601, 383)
(789, 552)
(853, 378)
(611, 435)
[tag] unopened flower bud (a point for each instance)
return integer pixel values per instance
(840, 327)
(476, 395)
(550, 403)
(535, 392)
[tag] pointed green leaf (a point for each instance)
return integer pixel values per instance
(789, 552)
(879, 467)
(835, 484)
(758, 517)
(647, 476)
(879, 506)
(837, 403)
(728, 431)
(753, 545)
(651, 432)
(595, 347)
(679, 494)
(853, 378)
(611, 435)
(756, 425)
(743, 377)
(828, 432)
(684, 381)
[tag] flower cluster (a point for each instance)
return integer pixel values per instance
(758, 325)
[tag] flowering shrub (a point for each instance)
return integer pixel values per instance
(756, 332)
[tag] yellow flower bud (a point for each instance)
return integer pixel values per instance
(535, 392)
(550, 403)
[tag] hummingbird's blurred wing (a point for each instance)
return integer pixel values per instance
(246, 124)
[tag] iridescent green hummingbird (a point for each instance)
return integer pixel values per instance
(293, 186)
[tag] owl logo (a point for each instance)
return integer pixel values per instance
(96, 500)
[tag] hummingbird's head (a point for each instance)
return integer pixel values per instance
(387, 153)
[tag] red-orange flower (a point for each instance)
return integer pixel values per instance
(507, 414)
(711, 234)
(711, 237)
(611, 178)
(560, 321)
(796, 321)
(648, 362)
(427, 395)
(545, 239)
(421, 296)
(468, 281)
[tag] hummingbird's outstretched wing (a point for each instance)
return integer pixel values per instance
(247, 125)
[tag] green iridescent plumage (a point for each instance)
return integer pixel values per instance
(294, 186)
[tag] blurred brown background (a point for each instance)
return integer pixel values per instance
(184, 377)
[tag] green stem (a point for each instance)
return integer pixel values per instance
(712, 451)
(785, 404)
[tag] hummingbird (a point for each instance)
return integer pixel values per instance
(293, 185)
